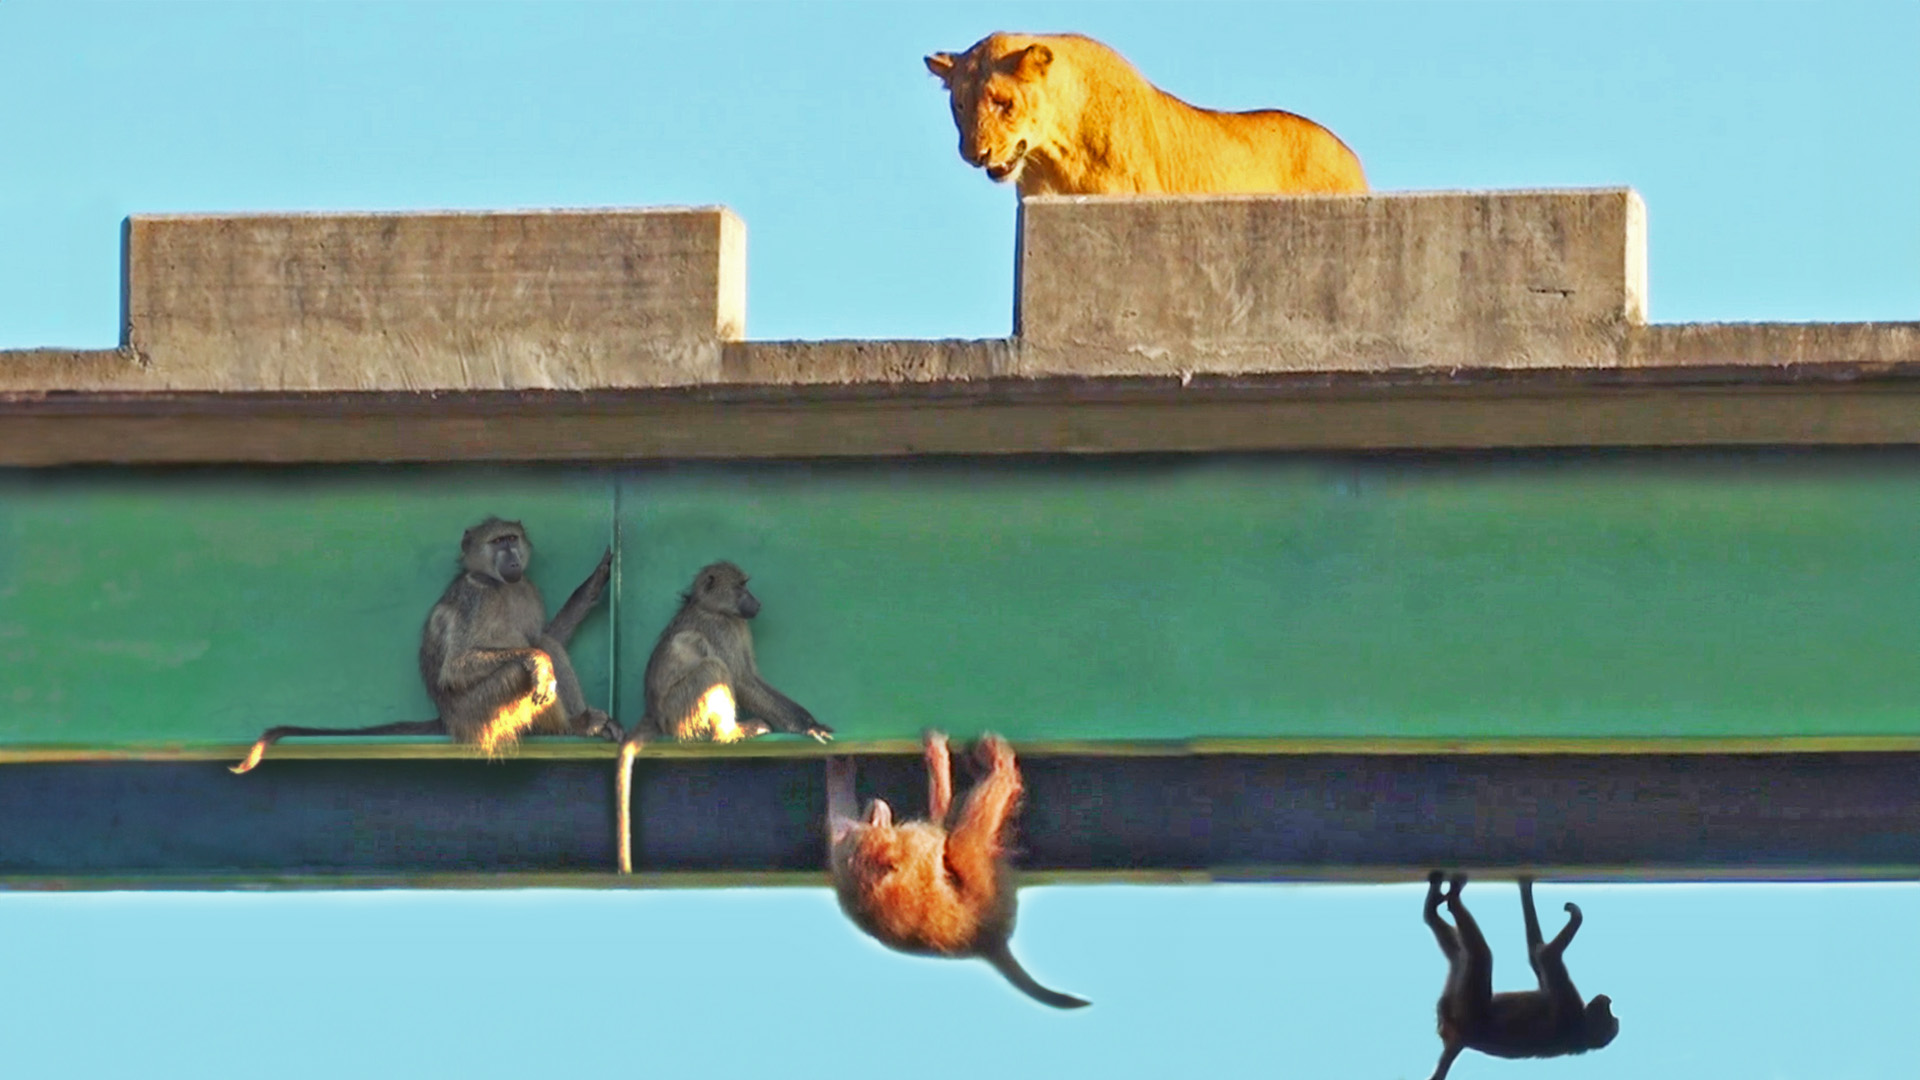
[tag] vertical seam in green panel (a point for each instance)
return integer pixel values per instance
(613, 610)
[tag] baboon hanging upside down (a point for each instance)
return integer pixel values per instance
(1547, 1022)
(939, 886)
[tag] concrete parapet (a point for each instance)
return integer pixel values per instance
(1157, 285)
(515, 300)
(797, 363)
(1445, 285)
(1694, 345)
(35, 371)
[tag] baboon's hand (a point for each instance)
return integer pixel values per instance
(540, 669)
(603, 572)
(819, 732)
(995, 751)
(601, 726)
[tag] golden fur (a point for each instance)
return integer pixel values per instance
(504, 728)
(938, 886)
(911, 902)
(1061, 114)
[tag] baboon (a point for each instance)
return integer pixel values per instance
(701, 678)
(493, 664)
(935, 887)
(1547, 1022)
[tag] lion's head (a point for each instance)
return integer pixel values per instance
(996, 93)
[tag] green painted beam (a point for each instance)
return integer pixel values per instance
(193, 605)
(1614, 595)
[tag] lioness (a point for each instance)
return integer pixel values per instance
(1061, 114)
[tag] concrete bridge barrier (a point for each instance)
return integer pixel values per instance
(1158, 285)
(538, 299)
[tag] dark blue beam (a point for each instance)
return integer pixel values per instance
(749, 819)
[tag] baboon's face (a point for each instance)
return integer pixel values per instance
(1602, 1025)
(875, 846)
(498, 549)
(722, 589)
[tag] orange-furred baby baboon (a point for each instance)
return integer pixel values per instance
(939, 886)
(701, 678)
(1547, 1022)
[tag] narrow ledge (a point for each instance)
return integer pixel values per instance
(1870, 402)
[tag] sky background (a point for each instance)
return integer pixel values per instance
(1775, 146)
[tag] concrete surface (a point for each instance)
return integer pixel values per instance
(889, 363)
(1450, 284)
(553, 300)
(1163, 285)
(1772, 344)
(1796, 405)
(41, 370)
(800, 363)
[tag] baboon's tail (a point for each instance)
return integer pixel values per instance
(623, 783)
(841, 805)
(435, 726)
(1001, 957)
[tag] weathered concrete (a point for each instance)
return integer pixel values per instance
(26, 371)
(1450, 285)
(1773, 344)
(554, 299)
(1721, 346)
(1791, 405)
(801, 363)
(1240, 284)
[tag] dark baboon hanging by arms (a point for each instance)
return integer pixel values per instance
(702, 684)
(1547, 1022)
(493, 664)
(939, 886)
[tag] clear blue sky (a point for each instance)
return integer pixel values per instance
(1775, 144)
(1776, 147)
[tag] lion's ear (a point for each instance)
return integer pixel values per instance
(941, 64)
(1034, 60)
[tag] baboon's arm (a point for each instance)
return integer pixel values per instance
(939, 778)
(581, 603)
(780, 712)
(497, 674)
(974, 842)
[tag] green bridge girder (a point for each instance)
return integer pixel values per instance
(1649, 664)
(1607, 595)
